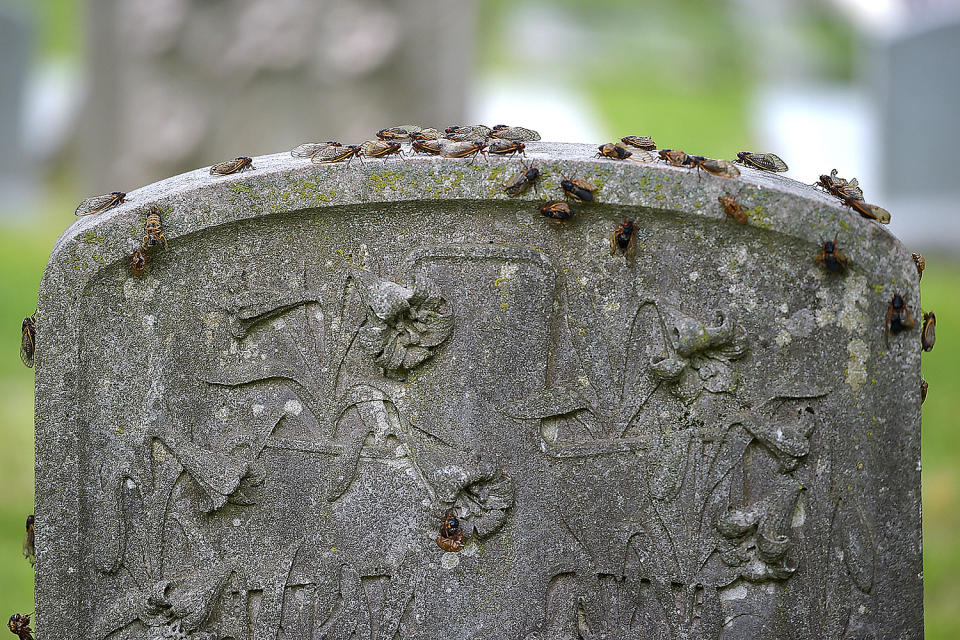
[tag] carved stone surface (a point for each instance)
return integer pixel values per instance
(259, 438)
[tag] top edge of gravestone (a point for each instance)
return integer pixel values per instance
(280, 183)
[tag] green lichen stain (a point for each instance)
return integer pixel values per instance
(92, 238)
(241, 188)
(757, 217)
(384, 180)
(311, 190)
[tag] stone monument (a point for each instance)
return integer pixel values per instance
(386, 400)
(176, 83)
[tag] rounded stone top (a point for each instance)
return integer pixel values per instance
(279, 183)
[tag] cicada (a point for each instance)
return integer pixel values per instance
(624, 240)
(138, 262)
(451, 535)
(720, 168)
(29, 547)
(763, 161)
(676, 157)
(921, 263)
(431, 147)
(640, 142)
(505, 147)
(928, 334)
(426, 134)
(899, 317)
(557, 210)
(831, 258)
(20, 626)
(522, 181)
(96, 204)
(866, 210)
(238, 164)
(468, 133)
(516, 134)
(331, 155)
(732, 208)
(452, 149)
(398, 133)
(28, 339)
(310, 149)
(380, 149)
(582, 190)
(617, 151)
(154, 229)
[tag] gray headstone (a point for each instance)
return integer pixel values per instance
(259, 437)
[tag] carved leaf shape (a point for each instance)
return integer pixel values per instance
(113, 542)
(859, 551)
(548, 403)
(271, 606)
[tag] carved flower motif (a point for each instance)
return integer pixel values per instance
(480, 495)
(760, 534)
(404, 326)
(700, 358)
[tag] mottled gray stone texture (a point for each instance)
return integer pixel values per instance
(257, 439)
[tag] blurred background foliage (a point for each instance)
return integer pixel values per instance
(686, 72)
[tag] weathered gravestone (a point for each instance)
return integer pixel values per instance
(257, 439)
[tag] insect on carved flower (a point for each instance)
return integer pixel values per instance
(404, 326)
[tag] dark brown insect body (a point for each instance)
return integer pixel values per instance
(763, 161)
(676, 157)
(624, 240)
(866, 210)
(831, 258)
(154, 229)
(716, 167)
(28, 337)
(451, 536)
(928, 335)
(453, 149)
(840, 187)
(516, 134)
(398, 133)
(29, 548)
(380, 149)
(431, 147)
(732, 208)
(505, 147)
(96, 204)
(20, 626)
(309, 149)
(331, 155)
(468, 133)
(580, 189)
(238, 164)
(522, 181)
(138, 262)
(641, 142)
(425, 134)
(899, 317)
(557, 210)
(923, 390)
(921, 263)
(612, 150)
